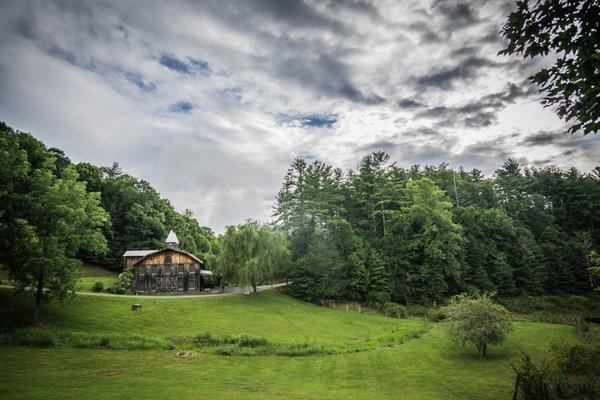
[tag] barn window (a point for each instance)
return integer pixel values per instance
(168, 259)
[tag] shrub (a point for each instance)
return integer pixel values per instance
(251, 341)
(123, 284)
(394, 310)
(532, 382)
(98, 287)
(31, 338)
(572, 372)
(476, 319)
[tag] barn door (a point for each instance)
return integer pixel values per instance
(166, 284)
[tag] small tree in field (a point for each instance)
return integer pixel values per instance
(477, 319)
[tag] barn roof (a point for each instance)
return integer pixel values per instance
(138, 253)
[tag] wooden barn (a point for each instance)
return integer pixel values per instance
(169, 270)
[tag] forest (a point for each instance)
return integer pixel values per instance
(379, 233)
(385, 233)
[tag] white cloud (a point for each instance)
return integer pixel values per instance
(87, 77)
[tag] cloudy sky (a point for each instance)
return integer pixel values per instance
(210, 100)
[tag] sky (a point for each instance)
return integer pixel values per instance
(210, 101)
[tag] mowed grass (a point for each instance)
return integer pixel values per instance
(430, 367)
(88, 275)
(268, 314)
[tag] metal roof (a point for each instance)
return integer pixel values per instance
(172, 237)
(138, 253)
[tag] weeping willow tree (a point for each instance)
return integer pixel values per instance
(250, 254)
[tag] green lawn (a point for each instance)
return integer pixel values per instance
(429, 367)
(87, 276)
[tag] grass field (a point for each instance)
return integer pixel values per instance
(87, 276)
(428, 367)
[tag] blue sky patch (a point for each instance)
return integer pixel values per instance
(318, 121)
(182, 107)
(174, 63)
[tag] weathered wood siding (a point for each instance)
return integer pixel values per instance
(168, 271)
(161, 258)
(129, 261)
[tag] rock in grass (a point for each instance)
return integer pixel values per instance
(186, 354)
(136, 307)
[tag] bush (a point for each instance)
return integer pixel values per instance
(124, 284)
(394, 310)
(572, 372)
(31, 338)
(531, 381)
(251, 341)
(98, 287)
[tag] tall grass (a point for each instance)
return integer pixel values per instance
(242, 345)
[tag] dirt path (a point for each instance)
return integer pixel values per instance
(175, 296)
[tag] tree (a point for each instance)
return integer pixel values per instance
(476, 319)
(425, 242)
(250, 254)
(570, 30)
(46, 218)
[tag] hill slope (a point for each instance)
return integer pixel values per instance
(429, 367)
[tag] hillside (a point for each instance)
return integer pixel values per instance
(424, 366)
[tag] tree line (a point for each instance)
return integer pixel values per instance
(382, 233)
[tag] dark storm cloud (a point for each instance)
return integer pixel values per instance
(294, 52)
(409, 104)
(542, 138)
(445, 78)
(477, 113)
(324, 73)
(558, 138)
(296, 13)
(360, 6)
(457, 15)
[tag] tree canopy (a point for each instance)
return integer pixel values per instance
(381, 232)
(249, 254)
(568, 30)
(46, 217)
(478, 320)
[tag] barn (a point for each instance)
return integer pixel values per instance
(166, 271)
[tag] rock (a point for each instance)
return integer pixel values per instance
(186, 354)
(136, 307)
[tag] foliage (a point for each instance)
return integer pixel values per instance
(476, 319)
(568, 372)
(98, 287)
(249, 254)
(569, 31)
(424, 243)
(532, 380)
(385, 233)
(124, 284)
(46, 217)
